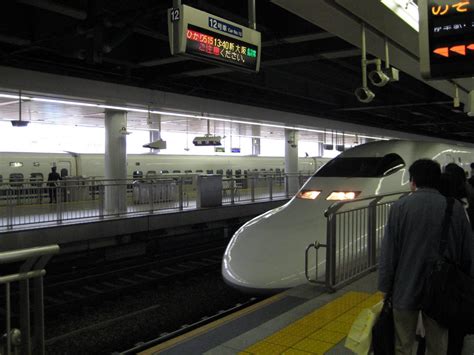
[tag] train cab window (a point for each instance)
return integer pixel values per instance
(36, 179)
(137, 174)
(209, 171)
(16, 179)
(176, 171)
(362, 166)
(220, 172)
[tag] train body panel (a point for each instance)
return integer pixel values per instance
(32, 166)
(267, 253)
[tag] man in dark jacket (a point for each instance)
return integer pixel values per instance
(52, 178)
(412, 236)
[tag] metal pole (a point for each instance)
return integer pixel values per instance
(232, 191)
(270, 181)
(181, 197)
(25, 314)
(252, 188)
(39, 315)
(8, 314)
(252, 15)
(364, 58)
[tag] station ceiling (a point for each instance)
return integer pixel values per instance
(304, 69)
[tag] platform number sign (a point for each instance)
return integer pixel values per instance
(174, 15)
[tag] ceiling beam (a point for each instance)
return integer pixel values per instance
(57, 8)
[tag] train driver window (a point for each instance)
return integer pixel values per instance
(362, 166)
(389, 164)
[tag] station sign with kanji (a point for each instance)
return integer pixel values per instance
(209, 38)
(446, 38)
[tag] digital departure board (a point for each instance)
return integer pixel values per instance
(446, 38)
(212, 39)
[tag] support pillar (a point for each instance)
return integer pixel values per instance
(255, 140)
(115, 161)
(291, 160)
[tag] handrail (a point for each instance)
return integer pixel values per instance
(353, 238)
(32, 268)
(22, 254)
(338, 205)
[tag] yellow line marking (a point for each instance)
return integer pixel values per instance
(318, 331)
(197, 332)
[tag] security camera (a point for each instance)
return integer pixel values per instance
(382, 77)
(378, 78)
(364, 95)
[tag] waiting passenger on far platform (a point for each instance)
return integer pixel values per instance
(53, 177)
(411, 240)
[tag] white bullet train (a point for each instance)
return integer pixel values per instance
(25, 167)
(267, 254)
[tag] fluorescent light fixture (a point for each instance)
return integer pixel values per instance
(407, 10)
(169, 113)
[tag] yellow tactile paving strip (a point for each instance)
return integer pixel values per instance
(320, 330)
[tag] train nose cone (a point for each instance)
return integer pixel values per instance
(267, 253)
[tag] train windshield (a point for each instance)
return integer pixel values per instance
(362, 167)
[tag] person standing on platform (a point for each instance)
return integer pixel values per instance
(53, 177)
(411, 240)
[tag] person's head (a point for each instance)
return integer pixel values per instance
(456, 171)
(457, 180)
(472, 166)
(53, 169)
(424, 173)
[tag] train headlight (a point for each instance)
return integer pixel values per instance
(342, 195)
(308, 194)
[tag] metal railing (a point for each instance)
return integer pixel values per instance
(17, 336)
(353, 239)
(32, 203)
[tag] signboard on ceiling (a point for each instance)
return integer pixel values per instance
(212, 39)
(446, 38)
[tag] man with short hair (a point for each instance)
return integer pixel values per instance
(411, 241)
(53, 177)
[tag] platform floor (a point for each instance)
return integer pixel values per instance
(304, 320)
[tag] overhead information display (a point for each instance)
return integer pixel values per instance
(212, 39)
(446, 38)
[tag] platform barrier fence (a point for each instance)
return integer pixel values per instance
(354, 235)
(76, 198)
